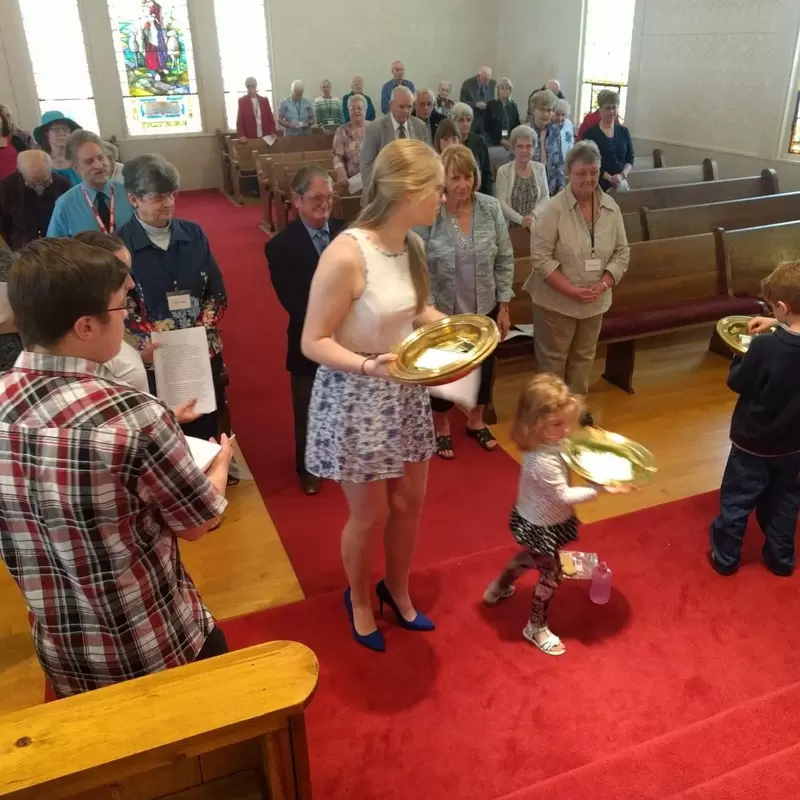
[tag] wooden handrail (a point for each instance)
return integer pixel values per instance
(98, 738)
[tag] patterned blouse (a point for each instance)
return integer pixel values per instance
(554, 155)
(524, 195)
(347, 143)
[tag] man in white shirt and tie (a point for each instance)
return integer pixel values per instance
(397, 124)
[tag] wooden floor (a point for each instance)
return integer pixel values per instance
(681, 411)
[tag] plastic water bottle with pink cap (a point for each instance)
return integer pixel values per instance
(600, 592)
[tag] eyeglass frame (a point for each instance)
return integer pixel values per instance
(130, 305)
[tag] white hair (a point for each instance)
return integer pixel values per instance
(27, 156)
(251, 78)
(484, 70)
(521, 133)
(445, 83)
(298, 84)
(356, 98)
(402, 90)
(461, 110)
(563, 106)
(553, 85)
(428, 92)
(505, 82)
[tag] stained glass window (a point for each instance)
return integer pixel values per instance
(606, 56)
(155, 59)
(243, 50)
(58, 58)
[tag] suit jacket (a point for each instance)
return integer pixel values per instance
(493, 124)
(471, 94)
(292, 259)
(24, 215)
(377, 135)
(434, 119)
(246, 118)
(477, 144)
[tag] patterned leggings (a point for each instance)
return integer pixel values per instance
(549, 580)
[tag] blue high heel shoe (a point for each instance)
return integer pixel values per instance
(373, 641)
(419, 623)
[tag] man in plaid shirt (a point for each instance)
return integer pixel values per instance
(96, 483)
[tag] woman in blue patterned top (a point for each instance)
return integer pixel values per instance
(547, 146)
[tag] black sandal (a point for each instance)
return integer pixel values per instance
(482, 436)
(444, 443)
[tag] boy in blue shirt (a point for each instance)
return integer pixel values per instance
(763, 469)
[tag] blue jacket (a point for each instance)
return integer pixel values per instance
(346, 110)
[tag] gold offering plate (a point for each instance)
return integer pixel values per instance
(733, 331)
(444, 351)
(608, 459)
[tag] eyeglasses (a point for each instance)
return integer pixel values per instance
(320, 200)
(130, 306)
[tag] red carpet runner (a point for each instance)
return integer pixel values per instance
(683, 686)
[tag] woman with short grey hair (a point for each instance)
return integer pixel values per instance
(177, 283)
(347, 142)
(502, 115)
(562, 121)
(443, 104)
(463, 115)
(547, 138)
(522, 183)
(579, 251)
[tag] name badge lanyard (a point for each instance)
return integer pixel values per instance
(111, 215)
(591, 228)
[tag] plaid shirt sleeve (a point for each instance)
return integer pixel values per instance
(171, 482)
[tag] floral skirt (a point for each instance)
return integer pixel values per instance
(363, 429)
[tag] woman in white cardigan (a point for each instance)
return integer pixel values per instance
(521, 185)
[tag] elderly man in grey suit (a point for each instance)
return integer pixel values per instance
(397, 124)
(476, 92)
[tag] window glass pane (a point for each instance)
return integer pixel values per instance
(243, 51)
(58, 57)
(155, 60)
(794, 144)
(607, 52)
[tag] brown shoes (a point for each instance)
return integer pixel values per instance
(310, 484)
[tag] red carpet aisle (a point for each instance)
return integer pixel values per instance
(463, 515)
(474, 712)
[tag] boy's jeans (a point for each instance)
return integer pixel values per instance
(771, 488)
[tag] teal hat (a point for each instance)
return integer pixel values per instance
(48, 118)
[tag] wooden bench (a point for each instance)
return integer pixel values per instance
(695, 193)
(230, 727)
(663, 223)
(670, 284)
(634, 227)
(222, 143)
(674, 176)
(347, 207)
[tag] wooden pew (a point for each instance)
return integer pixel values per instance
(231, 726)
(670, 284)
(222, 143)
(674, 176)
(347, 207)
(752, 253)
(284, 174)
(695, 193)
(663, 223)
(634, 227)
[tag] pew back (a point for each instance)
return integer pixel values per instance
(674, 176)
(696, 193)
(752, 212)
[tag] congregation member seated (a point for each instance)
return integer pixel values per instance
(176, 281)
(424, 111)
(254, 117)
(97, 203)
(296, 114)
(471, 264)
(52, 137)
(347, 143)
(114, 164)
(562, 121)
(463, 117)
(579, 251)
(547, 138)
(476, 92)
(615, 144)
(398, 79)
(397, 124)
(25, 138)
(357, 87)
(292, 258)
(447, 135)
(327, 108)
(28, 197)
(502, 116)
(522, 183)
(593, 117)
(10, 343)
(11, 144)
(92, 541)
(444, 105)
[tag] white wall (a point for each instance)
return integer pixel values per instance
(714, 79)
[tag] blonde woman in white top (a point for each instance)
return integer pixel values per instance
(521, 185)
(369, 433)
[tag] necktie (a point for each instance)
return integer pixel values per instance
(102, 210)
(323, 240)
(401, 132)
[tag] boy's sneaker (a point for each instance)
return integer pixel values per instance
(495, 592)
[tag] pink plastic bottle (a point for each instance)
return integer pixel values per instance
(600, 593)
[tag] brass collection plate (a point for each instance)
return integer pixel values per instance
(608, 459)
(444, 351)
(733, 331)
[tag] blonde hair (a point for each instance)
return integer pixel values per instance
(404, 168)
(782, 285)
(459, 160)
(544, 396)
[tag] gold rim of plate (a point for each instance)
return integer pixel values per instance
(461, 342)
(597, 440)
(733, 331)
